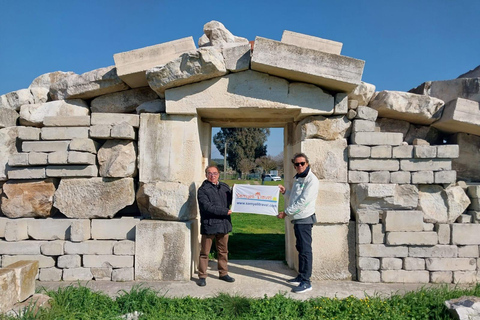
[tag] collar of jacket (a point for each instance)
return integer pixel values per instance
(303, 174)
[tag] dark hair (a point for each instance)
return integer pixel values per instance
(211, 166)
(300, 155)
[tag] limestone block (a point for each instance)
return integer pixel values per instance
(414, 108)
(123, 101)
(319, 127)
(72, 171)
(444, 234)
(123, 248)
(40, 86)
(64, 133)
(80, 230)
(131, 65)
(400, 177)
(119, 229)
(366, 113)
(368, 263)
(50, 274)
(424, 152)
(367, 216)
(391, 263)
(190, 67)
(402, 220)
(383, 196)
(445, 177)
(19, 159)
(448, 151)
(84, 145)
(473, 191)
(9, 290)
(327, 159)
(424, 238)
(360, 125)
(352, 105)
(16, 230)
(362, 93)
(74, 274)
(37, 158)
(76, 157)
(116, 118)
(465, 277)
(451, 264)
(377, 138)
(117, 158)
(404, 276)
(52, 248)
(160, 245)
(3, 223)
(379, 177)
(358, 151)
(8, 117)
(28, 133)
(88, 85)
(44, 146)
(341, 103)
(425, 165)
(331, 260)
(334, 72)
(351, 114)
(154, 106)
(441, 277)
(437, 251)
(27, 173)
(102, 273)
(21, 247)
(66, 121)
(49, 229)
(423, 177)
(428, 226)
(90, 247)
(378, 233)
(69, 261)
(34, 114)
(414, 264)
(374, 164)
(381, 251)
(368, 276)
(468, 252)
(363, 234)
(448, 90)
(402, 152)
(392, 125)
(58, 157)
(358, 177)
(310, 42)
(103, 260)
(466, 163)
(43, 262)
(215, 34)
(123, 274)
(457, 201)
(122, 131)
(460, 115)
(237, 57)
(13, 100)
(167, 200)
(442, 205)
(427, 133)
(8, 137)
(93, 198)
(464, 218)
(466, 234)
(381, 151)
(100, 131)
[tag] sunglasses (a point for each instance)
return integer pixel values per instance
(298, 164)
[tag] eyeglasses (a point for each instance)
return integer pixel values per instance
(298, 164)
(212, 174)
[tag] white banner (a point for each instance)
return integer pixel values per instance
(255, 199)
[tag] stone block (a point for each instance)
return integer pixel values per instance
(465, 277)
(52, 248)
(16, 230)
(441, 277)
(8, 147)
(91, 247)
(380, 197)
(364, 235)
(131, 65)
(464, 218)
(451, 264)
(80, 230)
(362, 94)
(119, 229)
(8, 117)
(391, 263)
(26, 173)
(423, 177)
(25, 273)
(400, 177)
(3, 223)
(448, 151)
(326, 155)
(69, 261)
(468, 252)
(379, 177)
(124, 248)
(310, 42)
(49, 229)
(341, 103)
(466, 163)
(100, 131)
(368, 276)
(44, 146)
(84, 145)
(113, 261)
(154, 106)
(63, 133)
(72, 171)
(320, 127)
(437, 251)
(123, 274)
(333, 202)
(358, 177)
(58, 157)
(367, 216)
(122, 131)
(18, 160)
(425, 165)
(384, 152)
(368, 263)
(358, 151)
(423, 238)
(378, 233)
(460, 115)
(402, 220)
(28, 133)
(160, 245)
(351, 114)
(50, 274)
(404, 276)
(382, 251)
(43, 262)
(400, 152)
(377, 138)
(237, 57)
(102, 273)
(466, 234)
(117, 159)
(66, 121)
(360, 125)
(413, 264)
(9, 290)
(422, 152)
(20, 247)
(428, 226)
(444, 234)
(473, 191)
(74, 274)
(448, 90)
(37, 158)
(306, 65)
(445, 177)
(366, 113)
(374, 164)
(76, 157)
(474, 205)
(110, 119)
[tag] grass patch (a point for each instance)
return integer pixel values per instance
(75, 302)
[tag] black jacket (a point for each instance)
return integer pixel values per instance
(214, 202)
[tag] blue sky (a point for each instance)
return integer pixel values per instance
(404, 43)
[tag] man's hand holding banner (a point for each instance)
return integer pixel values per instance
(255, 199)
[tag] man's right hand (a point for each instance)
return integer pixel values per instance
(229, 212)
(282, 189)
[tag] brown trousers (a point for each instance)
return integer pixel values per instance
(221, 242)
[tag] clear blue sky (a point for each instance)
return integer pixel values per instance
(404, 42)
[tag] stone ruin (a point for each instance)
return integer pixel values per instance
(99, 171)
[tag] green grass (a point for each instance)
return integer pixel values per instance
(81, 303)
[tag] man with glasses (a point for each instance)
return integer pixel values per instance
(301, 209)
(214, 200)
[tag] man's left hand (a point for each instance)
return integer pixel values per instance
(281, 215)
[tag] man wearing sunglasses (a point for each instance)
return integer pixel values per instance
(214, 200)
(301, 209)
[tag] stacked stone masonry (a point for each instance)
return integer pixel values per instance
(93, 166)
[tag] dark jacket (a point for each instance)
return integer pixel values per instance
(214, 202)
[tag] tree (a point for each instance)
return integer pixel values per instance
(246, 165)
(279, 160)
(242, 143)
(267, 163)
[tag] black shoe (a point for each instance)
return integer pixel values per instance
(302, 287)
(227, 278)
(202, 282)
(295, 280)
